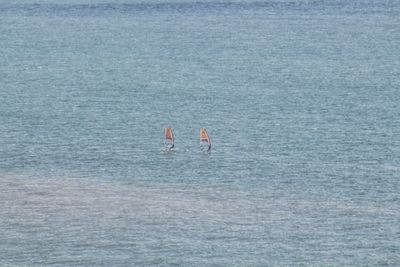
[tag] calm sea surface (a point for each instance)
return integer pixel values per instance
(301, 100)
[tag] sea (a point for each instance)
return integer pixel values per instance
(301, 99)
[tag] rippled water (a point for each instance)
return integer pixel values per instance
(301, 99)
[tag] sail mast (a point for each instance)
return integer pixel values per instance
(204, 137)
(169, 135)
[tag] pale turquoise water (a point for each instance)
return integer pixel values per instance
(301, 99)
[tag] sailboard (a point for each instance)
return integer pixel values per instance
(169, 137)
(205, 138)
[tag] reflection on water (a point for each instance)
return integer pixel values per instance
(83, 221)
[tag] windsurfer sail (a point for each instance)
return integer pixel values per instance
(169, 137)
(204, 137)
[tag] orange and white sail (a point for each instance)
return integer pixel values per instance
(169, 136)
(204, 137)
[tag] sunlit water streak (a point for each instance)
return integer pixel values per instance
(91, 222)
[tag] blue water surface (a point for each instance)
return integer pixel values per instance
(301, 100)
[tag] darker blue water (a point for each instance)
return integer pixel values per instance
(300, 98)
(99, 9)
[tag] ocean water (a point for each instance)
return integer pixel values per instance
(301, 100)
